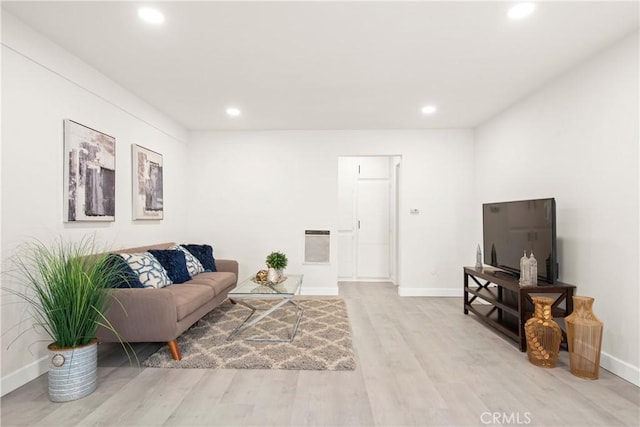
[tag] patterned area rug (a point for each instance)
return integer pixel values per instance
(323, 340)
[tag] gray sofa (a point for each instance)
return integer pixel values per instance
(161, 315)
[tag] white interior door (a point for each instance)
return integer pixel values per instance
(347, 178)
(373, 229)
(367, 218)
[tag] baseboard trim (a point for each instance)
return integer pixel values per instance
(429, 292)
(620, 368)
(23, 375)
(333, 291)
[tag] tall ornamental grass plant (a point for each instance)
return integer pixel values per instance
(66, 286)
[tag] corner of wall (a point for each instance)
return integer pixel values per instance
(620, 368)
(20, 377)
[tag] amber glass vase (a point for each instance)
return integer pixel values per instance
(543, 334)
(584, 334)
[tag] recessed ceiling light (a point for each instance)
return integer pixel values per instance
(233, 111)
(429, 109)
(151, 15)
(521, 10)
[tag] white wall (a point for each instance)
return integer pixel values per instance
(41, 86)
(576, 140)
(254, 192)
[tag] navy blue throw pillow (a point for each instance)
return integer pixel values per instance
(124, 277)
(174, 262)
(204, 254)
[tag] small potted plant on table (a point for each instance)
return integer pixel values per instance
(277, 262)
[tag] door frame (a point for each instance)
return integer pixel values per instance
(395, 162)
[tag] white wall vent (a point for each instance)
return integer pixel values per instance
(317, 245)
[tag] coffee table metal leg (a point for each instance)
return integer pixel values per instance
(300, 312)
(248, 324)
(241, 327)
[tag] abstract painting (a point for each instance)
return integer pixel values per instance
(147, 183)
(89, 174)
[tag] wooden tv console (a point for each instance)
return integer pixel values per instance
(499, 301)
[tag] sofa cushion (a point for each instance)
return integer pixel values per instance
(193, 265)
(150, 272)
(189, 297)
(218, 281)
(124, 275)
(174, 262)
(204, 254)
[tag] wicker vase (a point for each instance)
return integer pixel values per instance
(584, 334)
(543, 335)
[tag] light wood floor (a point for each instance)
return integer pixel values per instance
(420, 362)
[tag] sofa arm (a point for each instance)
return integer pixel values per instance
(227, 265)
(141, 315)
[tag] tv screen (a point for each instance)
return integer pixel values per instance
(510, 228)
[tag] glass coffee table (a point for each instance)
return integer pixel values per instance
(282, 293)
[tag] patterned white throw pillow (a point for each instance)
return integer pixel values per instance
(193, 265)
(149, 270)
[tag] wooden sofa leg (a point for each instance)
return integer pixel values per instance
(175, 351)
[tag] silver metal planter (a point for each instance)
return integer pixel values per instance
(72, 372)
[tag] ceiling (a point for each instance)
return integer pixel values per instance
(331, 65)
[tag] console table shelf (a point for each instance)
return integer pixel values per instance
(497, 300)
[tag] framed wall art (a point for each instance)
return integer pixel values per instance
(89, 174)
(148, 202)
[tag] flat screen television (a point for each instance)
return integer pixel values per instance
(510, 228)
